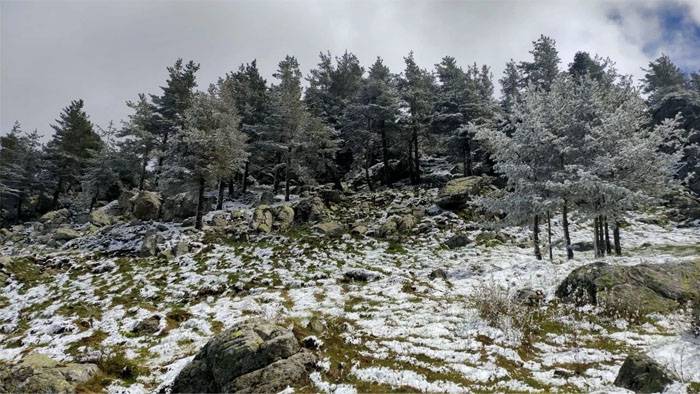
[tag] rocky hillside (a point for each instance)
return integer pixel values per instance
(399, 290)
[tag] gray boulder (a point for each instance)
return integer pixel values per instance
(65, 234)
(641, 374)
(101, 217)
(146, 205)
(284, 217)
(253, 356)
(262, 219)
(330, 229)
(359, 275)
(646, 288)
(457, 241)
(149, 325)
(37, 373)
(438, 273)
(149, 245)
(310, 210)
(55, 218)
(457, 192)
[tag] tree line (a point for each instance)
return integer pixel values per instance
(580, 138)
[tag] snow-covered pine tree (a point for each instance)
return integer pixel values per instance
(369, 122)
(73, 144)
(249, 92)
(417, 90)
(19, 167)
(139, 135)
(102, 170)
(209, 148)
(171, 105)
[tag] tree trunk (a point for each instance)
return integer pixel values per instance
(19, 208)
(56, 194)
(231, 188)
(549, 235)
(416, 157)
(246, 169)
(220, 197)
(411, 171)
(608, 246)
(596, 237)
(565, 225)
(93, 200)
(142, 177)
(286, 175)
(616, 238)
(200, 205)
(161, 158)
(601, 235)
(385, 158)
(468, 154)
(536, 237)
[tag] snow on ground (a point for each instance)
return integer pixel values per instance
(402, 331)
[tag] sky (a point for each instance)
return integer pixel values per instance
(107, 52)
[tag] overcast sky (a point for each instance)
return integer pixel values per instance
(106, 52)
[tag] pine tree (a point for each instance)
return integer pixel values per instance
(73, 145)
(171, 105)
(248, 92)
(140, 135)
(209, 148)
(19, 166)
(416, 89)
(510, 86)
(671, 93)
(286, 120)
(544, 66)
(370, 121)
(102, 170)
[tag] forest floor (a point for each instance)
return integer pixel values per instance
(399, 331)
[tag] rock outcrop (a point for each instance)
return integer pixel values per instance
(251, 357)
(37, 373)
(641, 374)
(459, 191)
(146, 205)
(646, 288)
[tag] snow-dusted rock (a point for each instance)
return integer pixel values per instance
(254, 356)
(641, 374)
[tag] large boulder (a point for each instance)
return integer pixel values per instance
(65, 234)
(262, 219)
(641, 374)
(284, 217)
(101, 217)
(459, 191)
(37, 373)
(146, 205)
(330, 229)
(182, 206)
(254, 356)
(310, 210)
(641, 289)
(55, 218)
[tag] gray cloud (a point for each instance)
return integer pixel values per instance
(107, 52)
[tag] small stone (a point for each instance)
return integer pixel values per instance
(311, 343)
(149, 325)
(438, 273)
(360, 276)
(457, 241)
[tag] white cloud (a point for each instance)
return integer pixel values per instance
(107, 52)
